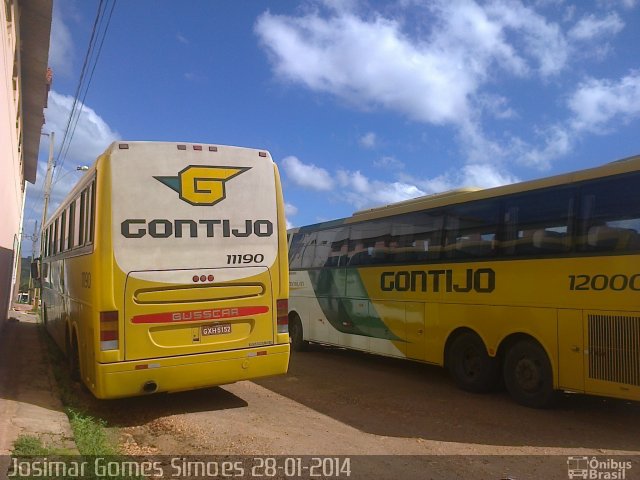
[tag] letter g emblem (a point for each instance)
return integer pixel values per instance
(201, 184)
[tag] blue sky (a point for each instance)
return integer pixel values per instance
(360, 103)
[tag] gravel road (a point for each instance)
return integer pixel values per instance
(393, 418)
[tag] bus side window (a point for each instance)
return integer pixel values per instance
(295, 251)
(56, 243)
(369, 243)
(82, 218)
(92, 211)
(471, 230)
(610, 215)
(63, 228)
(538, 223)
(70, 231)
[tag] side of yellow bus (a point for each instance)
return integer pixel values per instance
(549, 303)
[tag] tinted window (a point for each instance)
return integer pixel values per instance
(416, 237)
(609, 217)
(56, 243)
(71, 222)
(369, 242)
(320, 248)
(82, 217)
(63, 231)
(538, 222)
(91, 212)
(471, 230)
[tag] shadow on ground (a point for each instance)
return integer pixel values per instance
(398, 398)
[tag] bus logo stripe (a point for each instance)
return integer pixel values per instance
(200, 315)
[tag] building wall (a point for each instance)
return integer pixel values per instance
(12, 183)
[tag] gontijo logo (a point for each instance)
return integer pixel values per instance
(202, 185)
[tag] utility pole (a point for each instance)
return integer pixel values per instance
(47, 193)
(47, 182)
(34, 250)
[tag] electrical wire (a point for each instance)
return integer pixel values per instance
(98, 36)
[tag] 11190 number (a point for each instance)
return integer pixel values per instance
(245, 258)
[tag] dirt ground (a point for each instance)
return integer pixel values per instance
(393, 418)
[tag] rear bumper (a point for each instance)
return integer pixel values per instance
(126, 379)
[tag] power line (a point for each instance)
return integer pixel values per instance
(98, 35)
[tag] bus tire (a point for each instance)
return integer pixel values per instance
(296, 334)
(469, 364)
(528, 375)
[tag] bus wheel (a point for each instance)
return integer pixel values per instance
(470, 365)
(296, 336)
(528, 375)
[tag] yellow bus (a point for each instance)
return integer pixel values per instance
(165, 269)
(536, 284)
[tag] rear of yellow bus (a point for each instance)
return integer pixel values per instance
(192, 269)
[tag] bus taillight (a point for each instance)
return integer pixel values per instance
(282, 309)
(109, 331)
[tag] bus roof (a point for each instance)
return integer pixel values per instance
(466, 194)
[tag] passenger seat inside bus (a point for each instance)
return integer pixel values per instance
(605, 238)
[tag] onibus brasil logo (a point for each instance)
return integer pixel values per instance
(595, 468)
(201, 184)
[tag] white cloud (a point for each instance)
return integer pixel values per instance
(290, 210)
(182, 39)
(557, 142)
(307, 175)
(597, 104)
(357, 189)
(361, 192)
(590, 27)
(368, 140)
(484, 176)
(480, 175)
(434, 77)
(61, 51)
(388, 162)
(91, 136)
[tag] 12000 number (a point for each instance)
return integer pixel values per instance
(600, 282)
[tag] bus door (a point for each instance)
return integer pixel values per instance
(571, 353)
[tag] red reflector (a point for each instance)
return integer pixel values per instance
(109, 330)
(196, 278)
(182, 147)
(142, 367)
(262, 154)
(210, 278)
(282, 307)
(282, 312)
(261, 352)
(213, 149)
(197, 147)
(108, 335)
(109, 316)
(203, 278)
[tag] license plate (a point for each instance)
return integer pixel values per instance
(216, 329)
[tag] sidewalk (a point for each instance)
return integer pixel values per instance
(29, 399)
